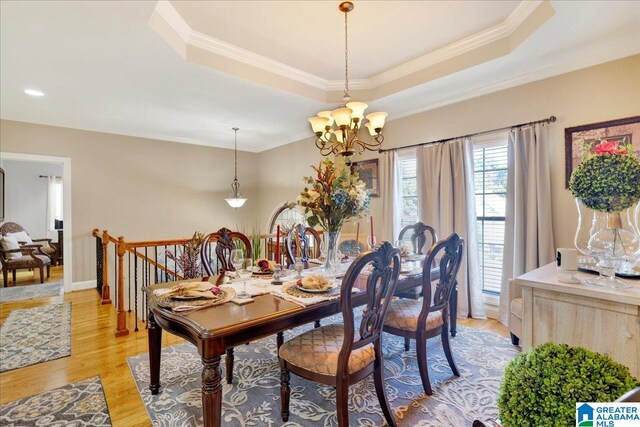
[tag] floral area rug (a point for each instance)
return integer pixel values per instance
(35, 335)
(254, 397)
(79, 404)
(19, 293)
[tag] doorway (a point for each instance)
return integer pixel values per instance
(37, 196)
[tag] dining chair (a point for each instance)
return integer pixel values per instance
(346, 353)
(418, 241)
(305, 249)
(421, 320)
(418, 237)
(224, 239)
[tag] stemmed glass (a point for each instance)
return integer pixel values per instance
(237, 257)
(371, 242)
(298, 266)
(244, 272)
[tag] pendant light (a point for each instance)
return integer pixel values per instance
(235, 199)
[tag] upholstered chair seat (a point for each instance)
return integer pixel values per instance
(403, 314)
(26, 261)
(318, 349)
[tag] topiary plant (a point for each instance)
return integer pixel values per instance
(609, 179)
(541, 386)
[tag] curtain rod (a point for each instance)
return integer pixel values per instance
(441, 141)
(49, 176)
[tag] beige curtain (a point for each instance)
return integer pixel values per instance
(390, 195)
(446, 195)
(528, 233)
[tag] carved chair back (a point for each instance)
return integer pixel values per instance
(449, 252)
(418, 236)
(305, 249)
(11, 227)
(380, 285)
(224, 239)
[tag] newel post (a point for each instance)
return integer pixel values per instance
(121, 325)
(106, 291)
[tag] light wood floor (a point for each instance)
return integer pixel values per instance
(95, 351)
(26, 277)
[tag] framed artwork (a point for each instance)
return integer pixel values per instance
(368, 171)
(582, 139)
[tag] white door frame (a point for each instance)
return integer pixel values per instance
(66, 205)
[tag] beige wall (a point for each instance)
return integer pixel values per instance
(139, 188)
(147, 189)
(604, 92)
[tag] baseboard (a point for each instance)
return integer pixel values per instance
(80, 286)
(492, 311)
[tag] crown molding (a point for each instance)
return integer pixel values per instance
(567, 64)
(175, 22)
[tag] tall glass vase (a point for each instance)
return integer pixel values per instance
(612, 238)
(331, 261)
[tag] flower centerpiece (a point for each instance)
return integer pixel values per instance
(607, 190)
(333, 196)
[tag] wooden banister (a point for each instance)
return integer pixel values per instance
(121, 319)
(148, 243)
(106, 290)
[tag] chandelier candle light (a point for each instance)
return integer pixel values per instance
(348, 118)
(235, 199)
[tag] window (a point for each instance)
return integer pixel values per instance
(409, 213)
(490, 173)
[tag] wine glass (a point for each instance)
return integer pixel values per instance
(244, 272)
(298, 267)
(371, 242)
(237, 257)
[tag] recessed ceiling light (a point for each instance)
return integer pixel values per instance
(33, 92)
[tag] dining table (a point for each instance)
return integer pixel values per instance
(215, 329)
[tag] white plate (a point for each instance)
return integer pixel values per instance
(316, 291)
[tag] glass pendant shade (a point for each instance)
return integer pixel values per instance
(338, 134)
(357, 109)
(318, 124)
(342, 116)
(377, 119)
(236, 202)
(372, 131)
(326, 114)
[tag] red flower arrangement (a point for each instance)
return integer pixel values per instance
(610, 147)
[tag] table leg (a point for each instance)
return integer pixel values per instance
(211, 392)
(155, 341)
(453, 310)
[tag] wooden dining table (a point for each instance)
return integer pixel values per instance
(215, 329)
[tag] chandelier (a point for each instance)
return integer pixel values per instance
(343, 139)
(235, 199)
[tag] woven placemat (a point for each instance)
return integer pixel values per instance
(293, 290)
(227, 293)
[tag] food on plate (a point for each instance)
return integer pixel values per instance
(194, 290)
(265, 265)
(314, 282)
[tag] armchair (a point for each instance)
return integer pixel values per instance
(28, 259)
(41, 246)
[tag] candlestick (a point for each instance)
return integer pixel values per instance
(277, 257)
(357, 236)
(297, 243)
(371, 228)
